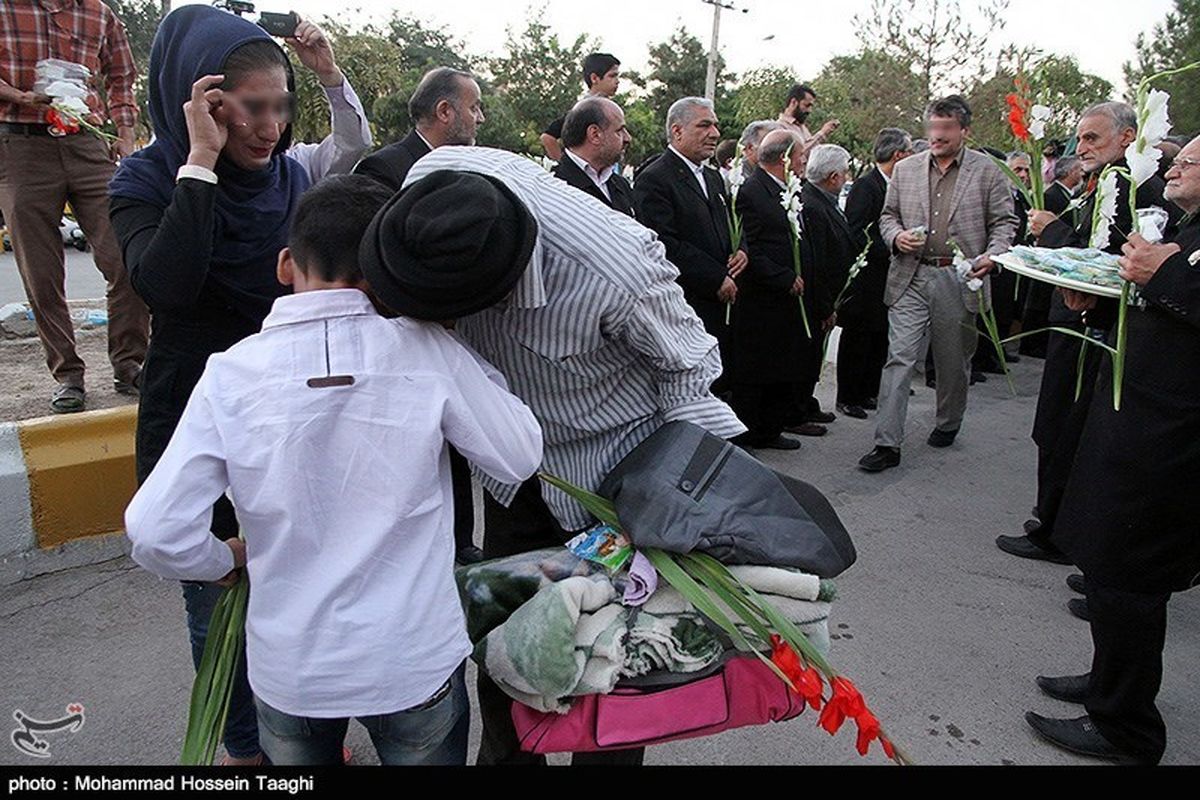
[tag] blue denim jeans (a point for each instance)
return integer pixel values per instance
(241, 726)
(431, 734)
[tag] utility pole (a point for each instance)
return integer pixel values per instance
(710, 82)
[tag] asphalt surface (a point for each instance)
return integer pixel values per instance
(942, 632)
(84, 281)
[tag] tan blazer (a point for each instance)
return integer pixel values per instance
(982, 216)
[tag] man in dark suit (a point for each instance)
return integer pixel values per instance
(1068, 180)
(769, 345)
(862, 349)
(828, 234)
(595, 139)
(1129, 514)
(445, 108)
(686, 204)
(1104, 131)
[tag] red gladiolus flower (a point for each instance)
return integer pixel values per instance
(868, 731)
(60, 124)
(806, 681)
(889, 749)
(845, 702)
(1016, 117)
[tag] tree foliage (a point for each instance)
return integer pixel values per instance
(1175, 42)
(935, 37)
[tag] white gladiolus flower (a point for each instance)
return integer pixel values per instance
(1142, 165)
(1039, 115)
(736, 177)
(1154, 124)
(1106, 205)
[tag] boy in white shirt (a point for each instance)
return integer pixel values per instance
(329, 429)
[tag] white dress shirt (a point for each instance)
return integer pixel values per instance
(596, 337)
(343, 494)
(697, 169)
(598, 178)
(349, 138)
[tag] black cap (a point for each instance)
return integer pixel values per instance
(449, 245)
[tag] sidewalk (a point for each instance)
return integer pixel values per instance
(941, 631)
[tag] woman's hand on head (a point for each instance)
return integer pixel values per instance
(312, 47)
(209, 113)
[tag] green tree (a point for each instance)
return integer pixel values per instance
(646, 128)
(678, 68)
(535, 80)
(868, 91)
(1175, 42)
(1054, 81)
(933, 36)
(759, 95)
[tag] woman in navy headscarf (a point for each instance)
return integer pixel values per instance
(201, 215)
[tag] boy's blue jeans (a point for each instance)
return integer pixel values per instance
(431, 734)
(241, 726)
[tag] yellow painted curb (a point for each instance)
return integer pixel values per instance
(81, 473)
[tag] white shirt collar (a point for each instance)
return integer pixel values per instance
(886, 178)
(696, 168)
(598, 178)
(423, 139)
(321, 304)
(770, 175)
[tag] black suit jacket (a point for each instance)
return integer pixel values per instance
(390, 165)
(828, 233)
(1128, 517)
(618, 187)
(768, 331)
(1057, 198)
(694, 229)
(863, 305)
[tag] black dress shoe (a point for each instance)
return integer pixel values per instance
(879, 459)
(873, 403)
(930, 381)
(778, 443)
(856, 412)
(1079, 609)
(1077, 735)
(820, 417)
(942, 438)
(807, 429)
(1012, 358)
(1076, 584)
(1069, 688)
(468, 555)
(977, 377)
(1024, 547)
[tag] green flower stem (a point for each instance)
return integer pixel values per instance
(213, 686)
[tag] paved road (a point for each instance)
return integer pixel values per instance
(943, 632)
(84, 281)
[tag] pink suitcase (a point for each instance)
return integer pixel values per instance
(744, 692)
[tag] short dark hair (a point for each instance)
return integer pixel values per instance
(437, 85)
(890, 141)
(954, 105)
(726, 150)
(597, 64)
(329, 223)
(586, 113)
(799, 92)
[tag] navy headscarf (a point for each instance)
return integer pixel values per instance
(253, 208)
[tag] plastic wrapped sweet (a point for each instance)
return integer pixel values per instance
(53, 73)
(1081, 265)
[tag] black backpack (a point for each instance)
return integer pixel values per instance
(683, 489)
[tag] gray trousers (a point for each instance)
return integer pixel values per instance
(933, 302)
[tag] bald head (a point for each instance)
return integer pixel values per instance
(774, 149)
(595, 131)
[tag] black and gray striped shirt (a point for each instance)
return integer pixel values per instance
(596, 338)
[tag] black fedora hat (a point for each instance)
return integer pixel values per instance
(447, 246)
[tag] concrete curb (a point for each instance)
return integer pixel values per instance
(64, 484)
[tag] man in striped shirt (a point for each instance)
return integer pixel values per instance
(599, 342)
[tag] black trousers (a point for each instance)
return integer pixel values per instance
(1129, 630)
(1036, 316)
(808, 374)
(763, 408)
(525, 525)
(862, 352)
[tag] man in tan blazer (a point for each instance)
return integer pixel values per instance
(945, 196)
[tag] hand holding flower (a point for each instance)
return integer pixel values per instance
(737, 263)
(1143, 259)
